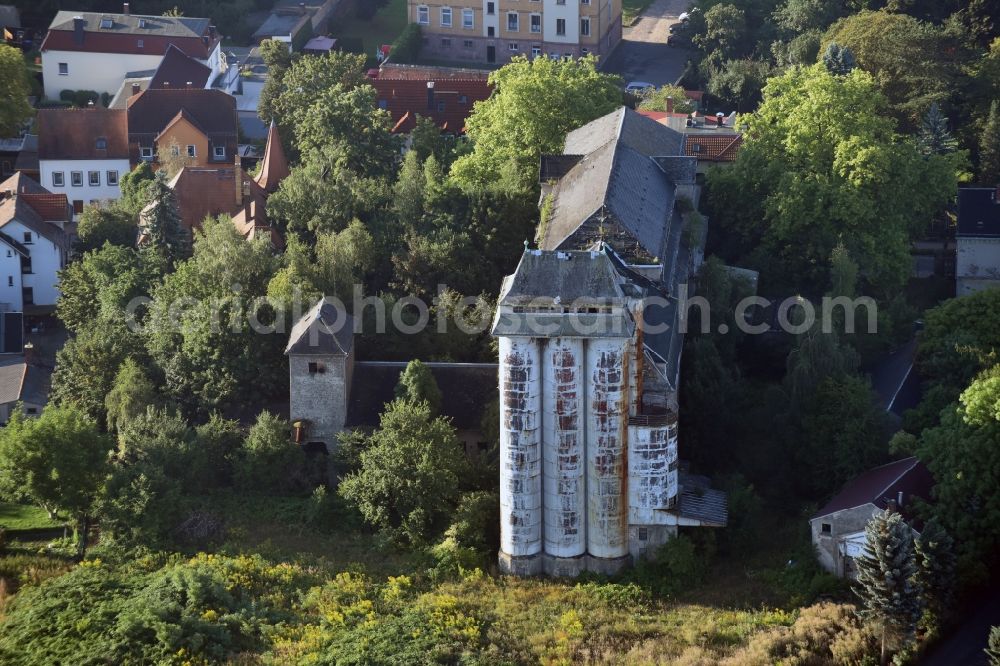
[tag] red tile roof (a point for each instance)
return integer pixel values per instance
(203, 192)
(722, 148)
(50, 207)
(880, 485)
(403, 92)
(71, 134)
(191, 35)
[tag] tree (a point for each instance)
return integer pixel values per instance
(890, 599)
(100, 224)
(134, 187)
(278, 59)
(172, 158)
(839, 60)
(739, 82)
(989, 147)
(209, 328)
(427, 139)
(725, 33)
(130, 396)
(962, 453)
(993, 646)
(162, 232)
(100, 286)
(58, 461)
(798, 16)
(934, 137)
(14, 91)
(535, 103)
(417, 384)
(87, 365)
(822, 166)
(656, 100)
(411, 468)
(935, 572)
(269, 461)
(908, 60)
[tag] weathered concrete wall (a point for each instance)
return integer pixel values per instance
(843, 522)
(977, 264)
(320, 397)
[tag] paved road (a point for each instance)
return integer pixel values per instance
(643, 54)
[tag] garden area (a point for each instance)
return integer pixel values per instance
(362, 33)
(24, 517)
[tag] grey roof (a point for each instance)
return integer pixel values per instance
(563, 277)
(177, 70)
(12, 372)
(698, 501)
(466, 390)
(120, 100)
(27, 159)
(9, 16)
(161, 26)
(324, 330)
(563, 286)
(280, 24)
(629, 170)
(16, 208)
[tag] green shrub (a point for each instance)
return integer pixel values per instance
(406, 48)
(677, 566)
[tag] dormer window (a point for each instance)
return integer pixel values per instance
(107, 23)
(142, 23)
(139, 43)
(102, 143)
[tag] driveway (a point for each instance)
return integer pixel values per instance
(643, 54)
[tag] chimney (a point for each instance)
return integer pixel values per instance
(302, 7)
(899, 498)
(238, 169)
(125, 9)
(135, 88)
(190, 84)
(670, 104)
(78, 29)
(430, 95)
(29, 353)
(719, 119)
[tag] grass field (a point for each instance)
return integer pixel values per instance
(383, 29)
(15, 517)
(631, 10)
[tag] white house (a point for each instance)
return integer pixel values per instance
(33, 244)
(977, 252)
(82, 153)
(95, 51)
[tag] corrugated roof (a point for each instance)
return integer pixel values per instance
(72, 134)
(879, 485)
(323, 330)
(698, 501)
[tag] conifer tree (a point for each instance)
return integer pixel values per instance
(886, 583)
(993, 647)
(989, 148)
(935, 555)
(839, 60)
(934, 137)
(161, 227)
(417, 384)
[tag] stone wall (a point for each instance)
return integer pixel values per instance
(320, 397)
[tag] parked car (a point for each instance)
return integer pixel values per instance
(638, 87)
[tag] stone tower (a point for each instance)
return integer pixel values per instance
(320, 366)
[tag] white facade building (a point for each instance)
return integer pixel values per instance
(977, 251)
(94, 51)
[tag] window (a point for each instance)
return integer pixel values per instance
(77, 206)
(467, 43)
(28, 296)
(139, 43)
(441, 106)
(112, 177)
(491, 8)
(584, 2)
(58, 179)
(642, 533)
(826, 528)
(315, 368)
(107, 23)
(463, 99)
(512, 20)
(175, 150)
(561, 27)
(468, 19)
(219, 152)
(445, 43)
(423, 15)
(490, 32)
(585, 27)
(63, 69)
(146, 153)
(383, 104)
(102, 143)
(513, 46)
(536, 51)
(191, 151)
(26, 265)
(536, 23)
(446, 17)
(142, 23)
(584, 52)
(5, 169)
(31, 410)
(560, 2)
(94, 178)
(76, 178)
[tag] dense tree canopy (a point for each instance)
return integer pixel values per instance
(535, 104)
(14, 91)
